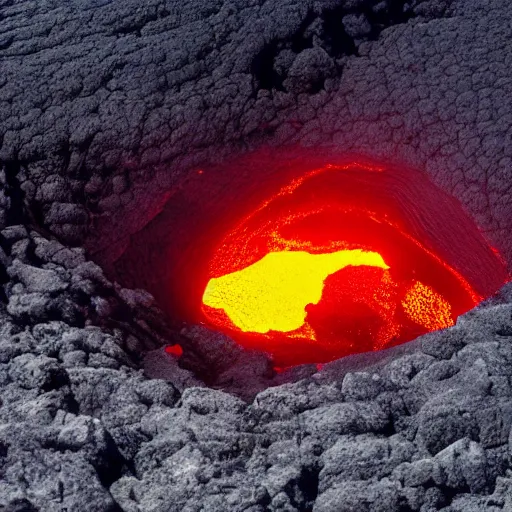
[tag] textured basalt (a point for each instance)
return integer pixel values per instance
(107, 110)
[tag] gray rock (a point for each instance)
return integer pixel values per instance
(362, 386)
(53, 480)
(107, 109)
(37, 280)
(309, 70)
(39, 372)
(414, 474)
(442, 344)
(363, 457)
(381, 496)
(356, 25)
(447, 418)
(329, 422)
(461, 465)
(33, 305)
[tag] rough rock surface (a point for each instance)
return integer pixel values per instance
(427, 427)
(104, 106)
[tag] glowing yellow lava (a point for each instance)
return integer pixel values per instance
(272, 293)
(427, 308)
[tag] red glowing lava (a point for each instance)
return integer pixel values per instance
(174, 350)
(272, 293)
(339, 261)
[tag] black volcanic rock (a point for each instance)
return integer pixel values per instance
(106, 108)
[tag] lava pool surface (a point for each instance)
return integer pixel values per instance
(347, 258)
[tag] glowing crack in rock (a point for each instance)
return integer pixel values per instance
(272, 293)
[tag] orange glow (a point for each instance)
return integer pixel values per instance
(427, 308)
(324, 268)
(272, 294)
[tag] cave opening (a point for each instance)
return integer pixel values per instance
(381, 255)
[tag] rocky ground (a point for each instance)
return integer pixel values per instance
(426, 427)
(104, 107)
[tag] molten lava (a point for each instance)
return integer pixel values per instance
(272, 293)
(427, 308)
(344, 259)
(174, 350)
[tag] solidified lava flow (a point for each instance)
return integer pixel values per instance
(335, 263)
